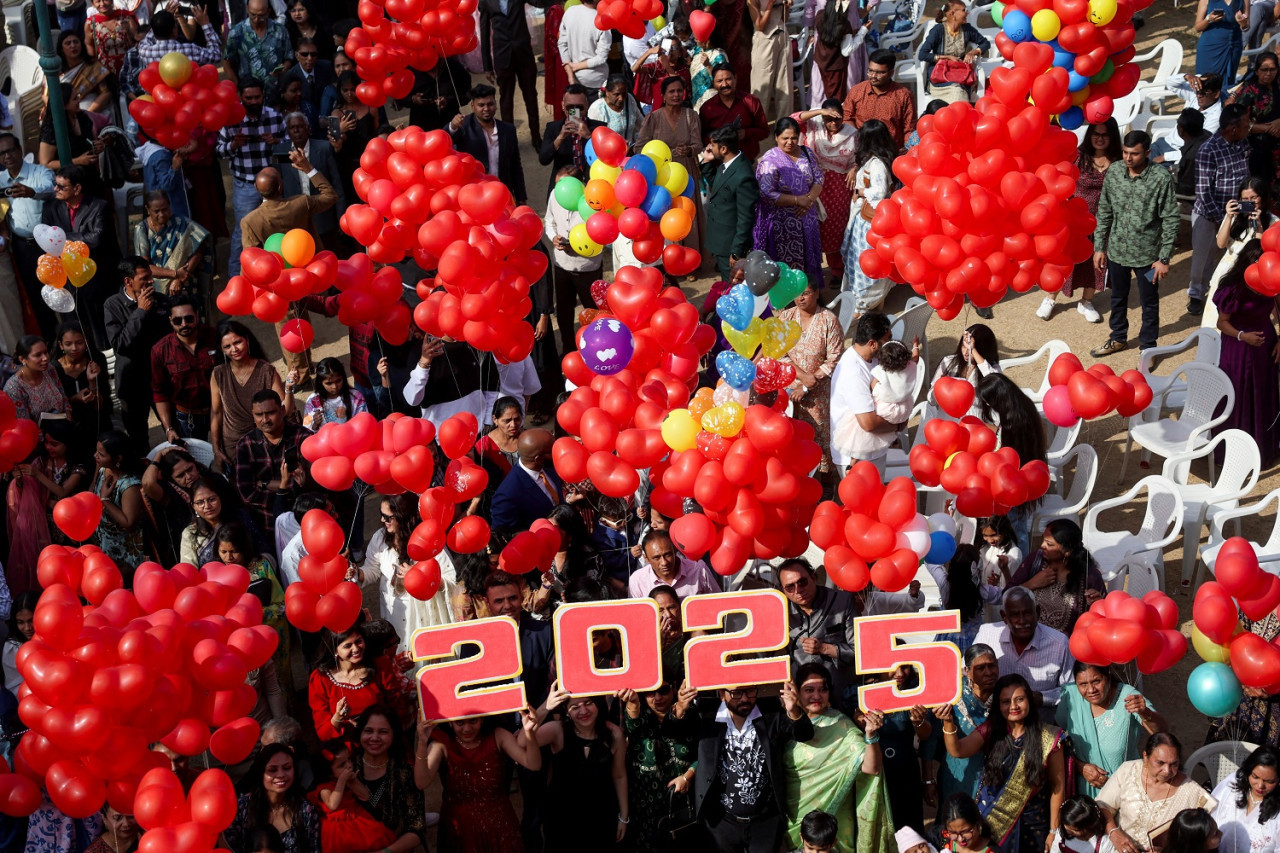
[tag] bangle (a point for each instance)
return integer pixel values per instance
(622, 820)
(1239, 334)
(874, 739)
(947, 731)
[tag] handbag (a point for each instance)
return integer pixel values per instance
(947, 71)
(679, 824)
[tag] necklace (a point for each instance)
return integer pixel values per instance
(368, 763)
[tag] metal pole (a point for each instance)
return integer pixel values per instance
(52, 66)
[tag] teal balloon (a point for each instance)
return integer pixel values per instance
(791, 283)
(1104, 75)
(1214, 689)
(585, 210)
(997, 13)
(569, 192)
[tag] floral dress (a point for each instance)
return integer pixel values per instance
(32, 401)
(1089, 188)
(1255, 719)
(110, 44)
(331, 410)
(779, 233)
(1264, 106)
(657, 752)
(700, 64)
(874, 181)
(126, 547)
(819, 348)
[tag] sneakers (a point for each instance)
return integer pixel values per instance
(1046, 308)
(1195, 307)
(1090, 313)
(1109, 348)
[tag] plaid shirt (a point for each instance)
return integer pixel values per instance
(258, 463)
(151, 49)
(257, 57)
(180, 376)
(1221, 167)
(256, 153)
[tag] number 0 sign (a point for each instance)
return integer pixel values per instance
(875, 650)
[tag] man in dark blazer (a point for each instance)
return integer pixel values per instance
(506, 52)
(732, 193)
(490, 141)
(136, 320)
(314, 72)
(87, 219)
(564, 142)
(320, 154)
(531, 489)
(739, 784)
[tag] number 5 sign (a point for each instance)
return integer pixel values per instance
(876, 650)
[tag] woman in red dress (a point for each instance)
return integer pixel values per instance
(343, 684)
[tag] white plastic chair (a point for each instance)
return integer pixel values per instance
(896, 463)
(1218, 760)
(1113, 549)
(1049, 351)
(1126, 109)
(843, 305)
(1268, 552)
(1170, 63)
(1060, 446)
(1208, 345)
(1241, 466)
(913, 323)
(1209, 400)
(1077, 498)
(1270, 43)
(15, 22)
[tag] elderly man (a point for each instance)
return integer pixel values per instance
(532, 488)
(664, 566)
(258, 46)
(1036, 652)
(319, 153)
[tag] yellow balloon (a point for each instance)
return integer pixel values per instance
(674, 176)
(725, 419)
(1208, 649)
(680, 430)
(1045, 24)
(582, 243)
(779, 336)
(746, 342)
(659, 152)
(1078, 98)
(658, 23)
(175, 69)
(79, 270)
(602, 171)
(1101, 12)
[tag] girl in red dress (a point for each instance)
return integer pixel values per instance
(347, 826)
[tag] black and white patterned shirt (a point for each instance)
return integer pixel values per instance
(745, 786)
(256, 153)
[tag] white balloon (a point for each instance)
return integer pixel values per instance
(917, 541)
(761, 303)
(725, 394)
(941, 521)
(51, 239)
(60, 300)
(919, 524)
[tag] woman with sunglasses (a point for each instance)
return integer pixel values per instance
(662, 743)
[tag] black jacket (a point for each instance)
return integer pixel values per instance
(326, 162)
(470, 137)
(731, 206)
(322, 76)
(132, 332)
(503, 35)
(560, 157)
(775, 730)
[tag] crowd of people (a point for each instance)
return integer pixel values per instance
(1040, 753)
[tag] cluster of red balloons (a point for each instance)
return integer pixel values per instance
(876, 536)
(391, 455)
(18, 437)
(183, 823)
(1264, 276)
(962, 458)
(397, 35)
(1241, 583)
(438, 509)
(531, 549)
(1077, 393)
(323, 597)
(627, 16)
(180, 97)
(268, 283)
(987, 204)
(165, 661)
(754, 488)
(1120, 628)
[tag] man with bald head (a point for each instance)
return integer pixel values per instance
(532, 488)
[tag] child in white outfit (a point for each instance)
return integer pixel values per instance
(893, 386)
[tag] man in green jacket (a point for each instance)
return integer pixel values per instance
(732, 193)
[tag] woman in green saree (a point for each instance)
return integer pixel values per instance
(175, 246)
(1105, 718)
(1023, 779)
(838, 771)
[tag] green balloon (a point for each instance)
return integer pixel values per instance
(791, 283)
(585, 210)
(569, 192)
(1105, 74)
(274, 243)
(997, 13)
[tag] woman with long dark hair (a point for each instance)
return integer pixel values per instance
(1249, 353)
(1023, 779)
(1248, 811)
(977, 354)
(962, 587)
(344, 682)
(1018, 424)
(1061, 575)
(1248, 215)
(276, 798)
(244, 373)
(839, 49)
(117, 481)
(1193, 831)
(1106, 719)
(872, 184)
(303, 21)
(35, 389)
(387, 560)
(395, 787)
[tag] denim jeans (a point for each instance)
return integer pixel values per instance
(74, 20)
(378, 399)
(244, 199)
(191, 425)
(1148, 298)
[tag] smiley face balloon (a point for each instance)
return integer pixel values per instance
(580, 241)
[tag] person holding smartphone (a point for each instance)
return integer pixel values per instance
(564, 143)
(1221, 25)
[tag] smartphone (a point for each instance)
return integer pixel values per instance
(575, 113)
(1248, 207)
(281, 158)
(186, 10)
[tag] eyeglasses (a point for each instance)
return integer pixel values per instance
(307, 53)
(741, 692)
(183, 320)
(803, 583)
(61, 186)
(204, 502)
(386, 518)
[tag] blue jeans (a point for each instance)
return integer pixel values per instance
(1148, 298)
(191, 425)
(244, 199)
(378, 399)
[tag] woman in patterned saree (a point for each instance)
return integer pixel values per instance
(790, 182)
(174, 245)
(837, 771)
(960, 775)
(662, 743)
(1024, 775)
(1257, 718)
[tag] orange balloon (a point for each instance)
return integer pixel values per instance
(76, 248)
(676, 224)
(49, 271)
(599, 194)
(685, 204)
(298, 247)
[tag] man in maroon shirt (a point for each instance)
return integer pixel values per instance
(879, 97)
(182, 365)
(730, 106)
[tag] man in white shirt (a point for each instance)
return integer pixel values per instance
(851, 387)
(572, 274)
(1037, 652)
(584, 50)
(665, 566)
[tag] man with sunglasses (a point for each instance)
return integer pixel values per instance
(314, 73)
(182, 365)
(28, 186)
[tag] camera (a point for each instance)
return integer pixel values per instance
(186, 10)
(281, 158)
(1248, 207)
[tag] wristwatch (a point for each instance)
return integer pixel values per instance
(1164, 261)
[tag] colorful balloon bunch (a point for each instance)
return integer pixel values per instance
(165, 661)
(61, 262)
(962, 458)
(1120, 628)
(397, 35)
(876, 536)
(1077, 393)
(1264, 276)
(987, 205)
(323, 597)
(17, 437)
(182, 96)
(627, 16)
(647, 198)
(1090, 49)
(178, 823)
(749, 471)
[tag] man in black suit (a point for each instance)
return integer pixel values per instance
(506, 51)
(739, 785)
(490, 141)
(314, 72)
(434, 100)
(532, 488)
(136, 320)
(732, 193)
(319, 153)
(564, 142)
(88, 220)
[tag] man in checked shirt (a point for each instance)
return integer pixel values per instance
(247, 149)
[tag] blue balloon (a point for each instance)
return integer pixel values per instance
(590, 152)
(737, 372)
(1017, 25)
(644, 165)
(1062, 59)
(689, 188)
(1071, 118)
(1214, 689)
(942, 547)
(656, 202)
(1076, 81)
(737, 307)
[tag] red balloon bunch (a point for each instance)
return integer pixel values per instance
(1077, 393)
(438, 508)
(171, 113)
(396, 35)
(165, 661)
(756, 494)
(962, 458)
(627, 16)
(987, 205)
(876, 536)
(267, 284)
(17, 437)
(1119, 628)
(392, 455)
(178, 823)
(323, 597)
(531, 549)
(1264, 276)
(1241, 583)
